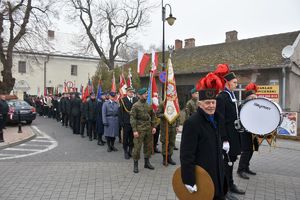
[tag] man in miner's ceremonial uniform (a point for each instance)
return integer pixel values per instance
(143, 121)
(201, 139)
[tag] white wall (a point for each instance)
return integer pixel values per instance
(58, 70)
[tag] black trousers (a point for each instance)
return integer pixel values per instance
(245, 160)
(46, 111)
(156, 136)
(229, 169)
(1, 131)
(76, 124)
(127, 137)
(92, 129)
(66, 119)
(83, 125)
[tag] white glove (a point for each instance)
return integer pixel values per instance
(191, 189)
(226, 146)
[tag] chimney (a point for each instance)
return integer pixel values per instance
(189, 43)
(231, 36)
(178, 44)
(50, 34)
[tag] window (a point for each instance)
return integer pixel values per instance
(74, 70)
(22, 67)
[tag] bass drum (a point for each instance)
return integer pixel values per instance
(260, 116)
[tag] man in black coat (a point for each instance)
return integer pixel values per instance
(227, 106)
(99, 120)
(91, 115)
(5, 109)
(249, 144)
(124, 119)
(75, 113)
(201, 144)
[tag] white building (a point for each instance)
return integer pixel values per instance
(52, 67)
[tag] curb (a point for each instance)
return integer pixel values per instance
(19, 142)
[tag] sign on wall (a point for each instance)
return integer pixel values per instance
(269, 91)
(289, 124)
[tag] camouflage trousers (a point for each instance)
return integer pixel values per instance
(171, 142)
(145, 138)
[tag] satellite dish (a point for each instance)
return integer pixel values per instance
(287, 51)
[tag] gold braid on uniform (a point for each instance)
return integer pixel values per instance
(128, 111)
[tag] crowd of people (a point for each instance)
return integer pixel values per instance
(211, 137)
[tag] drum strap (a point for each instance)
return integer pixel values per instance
(233, 99)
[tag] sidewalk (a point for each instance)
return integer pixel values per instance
(12, 137)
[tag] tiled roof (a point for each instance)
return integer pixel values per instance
(253, 53)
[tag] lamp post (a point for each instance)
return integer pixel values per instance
(170, 21)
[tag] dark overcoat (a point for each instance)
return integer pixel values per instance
(75, 107)
(90, 111)
(99, 121)
(201, 145)
(124, 110)
(227, 108)
(110, 118)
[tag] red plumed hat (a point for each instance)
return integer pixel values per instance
(251, 88)
(209, 86)
(222, 70)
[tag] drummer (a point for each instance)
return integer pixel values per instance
(201, 141)
(227, 106)
(249, 144)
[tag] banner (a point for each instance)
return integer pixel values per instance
(289, 124)
(171, 111)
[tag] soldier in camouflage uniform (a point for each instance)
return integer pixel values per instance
(142, 120)
(192, 104)
(172, 131)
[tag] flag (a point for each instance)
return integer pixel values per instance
(85, 94)
(123, 86)
(81, 89)
(113, 84)
(129, 78)
(149, 98)
(154, 61)
(154, 90)
(45, 91)
(99, 91)
(171, 111)
(143, 60)
(65, 87)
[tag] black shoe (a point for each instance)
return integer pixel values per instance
(109, 149)
(126, 155)
(242, 175)
(136, 166)
(171, 161)
(230, 196)
(248, 171)
(1, 141)
(156, 150)
(130, 152)
(147, 164)
(165, 163)
(114, 148)
(100, 143)
(234, 189)
(175, 148)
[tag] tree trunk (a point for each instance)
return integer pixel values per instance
(8, 82)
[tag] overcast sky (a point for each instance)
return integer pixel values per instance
(208, 20)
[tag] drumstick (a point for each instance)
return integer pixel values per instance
(229, 161)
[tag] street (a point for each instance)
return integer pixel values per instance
(70, 167)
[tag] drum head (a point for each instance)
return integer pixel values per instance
(205, 186)
(260, 116)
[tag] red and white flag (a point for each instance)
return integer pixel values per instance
(155, 102)
(129, 78)
(171, 111)
(154, 61)
(143, 60)
(123, 86)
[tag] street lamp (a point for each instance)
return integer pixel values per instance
(170, 21)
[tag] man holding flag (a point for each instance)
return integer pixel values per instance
(169, 114)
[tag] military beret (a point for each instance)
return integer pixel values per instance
(142, 91)
(193, 90)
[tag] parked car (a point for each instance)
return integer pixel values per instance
(16, 106)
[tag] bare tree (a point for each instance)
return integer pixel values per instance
(130, 51)
(20, 22)
(108, 24)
